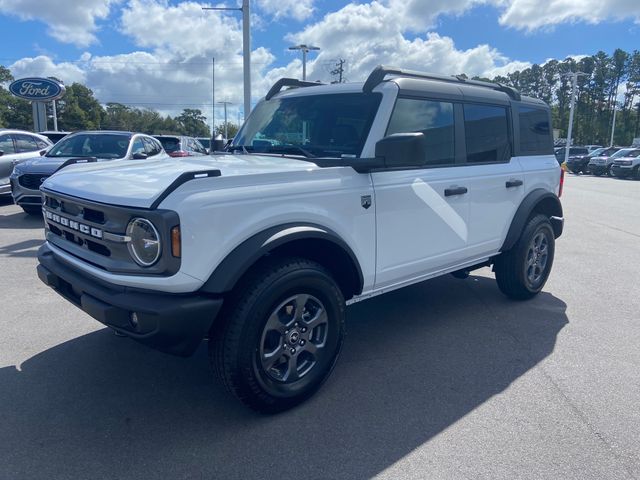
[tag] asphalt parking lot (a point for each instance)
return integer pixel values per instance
(447, 379)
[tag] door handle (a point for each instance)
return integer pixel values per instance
(448, 192)
(513, 183)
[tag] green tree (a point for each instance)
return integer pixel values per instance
(232, 129)
(192, 122)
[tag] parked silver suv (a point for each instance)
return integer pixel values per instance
(15, 146)
(81, 147)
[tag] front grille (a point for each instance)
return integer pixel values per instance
(95, 232)
(32, 181)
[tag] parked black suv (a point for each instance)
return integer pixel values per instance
(572, 152)
(578, 163)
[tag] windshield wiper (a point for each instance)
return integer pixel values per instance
(290, 149)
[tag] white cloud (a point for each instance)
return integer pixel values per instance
(374, 33)
(69, 21)
(43, 66)
(297, 9)
(534, 14)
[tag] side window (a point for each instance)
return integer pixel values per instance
(152, 146)
(6, 144)
(25, 143)
(434, 119)
(535, 132)
(138, 146)
(486, 134)
(199, 147)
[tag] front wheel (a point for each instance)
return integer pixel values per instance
(281, 335)
(522, 271)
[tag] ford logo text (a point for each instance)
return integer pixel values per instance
(37, 89)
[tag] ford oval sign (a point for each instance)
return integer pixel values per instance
(37, 89)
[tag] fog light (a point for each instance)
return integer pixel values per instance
(134, 321)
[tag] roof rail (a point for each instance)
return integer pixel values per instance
(288, 82)
(379, 73)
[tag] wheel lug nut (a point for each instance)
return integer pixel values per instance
(304, 329)
(293, 350)
(301, 342)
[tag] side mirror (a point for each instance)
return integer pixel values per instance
(1, 152)
(140, 156)
(42, 152)
(402, 150)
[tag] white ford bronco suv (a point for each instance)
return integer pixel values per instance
(329, 194)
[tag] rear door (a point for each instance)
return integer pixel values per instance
(496, 187)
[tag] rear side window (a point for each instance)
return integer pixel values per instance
(25, 143)
(486, 134)
(6, 144)
(535, 132)
(152, 146)
(434, 119)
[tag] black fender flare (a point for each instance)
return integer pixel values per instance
(535, 200)
(245, 255)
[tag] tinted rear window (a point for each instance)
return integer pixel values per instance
(535, 132)
(170, 144)
(486, 134)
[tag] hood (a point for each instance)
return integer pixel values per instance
(139, 184)
(42, 165)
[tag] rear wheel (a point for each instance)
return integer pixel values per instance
(522, 271)
(610, 171)
(32, 209)
(282, 333)
(636, 173)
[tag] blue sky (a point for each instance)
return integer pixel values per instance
(148, 51)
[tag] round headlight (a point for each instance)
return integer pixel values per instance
(144, 245)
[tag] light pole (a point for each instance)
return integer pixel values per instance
(574, 85)
(305, 49)
(246, 48)
(226, 124)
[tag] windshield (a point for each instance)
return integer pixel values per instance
(333, 125)
(99, 145)
(622, 153)
(633, 153)
(597, 152)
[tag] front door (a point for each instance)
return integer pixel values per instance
(422, 214)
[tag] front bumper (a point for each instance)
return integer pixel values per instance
(22, 195)
(598, 169)
(172, 323)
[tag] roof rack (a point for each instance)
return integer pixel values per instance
(288, 82)
(380, 72)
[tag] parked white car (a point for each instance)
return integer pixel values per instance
(17, 145)
(360, 190)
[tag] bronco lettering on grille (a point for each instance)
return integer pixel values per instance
(77, 226)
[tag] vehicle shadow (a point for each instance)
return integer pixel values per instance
(12, 220)
(415, 362)
(25, 249)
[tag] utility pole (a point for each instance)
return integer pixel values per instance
(305, 49)
(246, 48)
(339, 70)
(613, 124)
(226, 124)
(213, 97)
(574, 86)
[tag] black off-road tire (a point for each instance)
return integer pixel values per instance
(32, 209)
(512, 268)
(236, 342)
